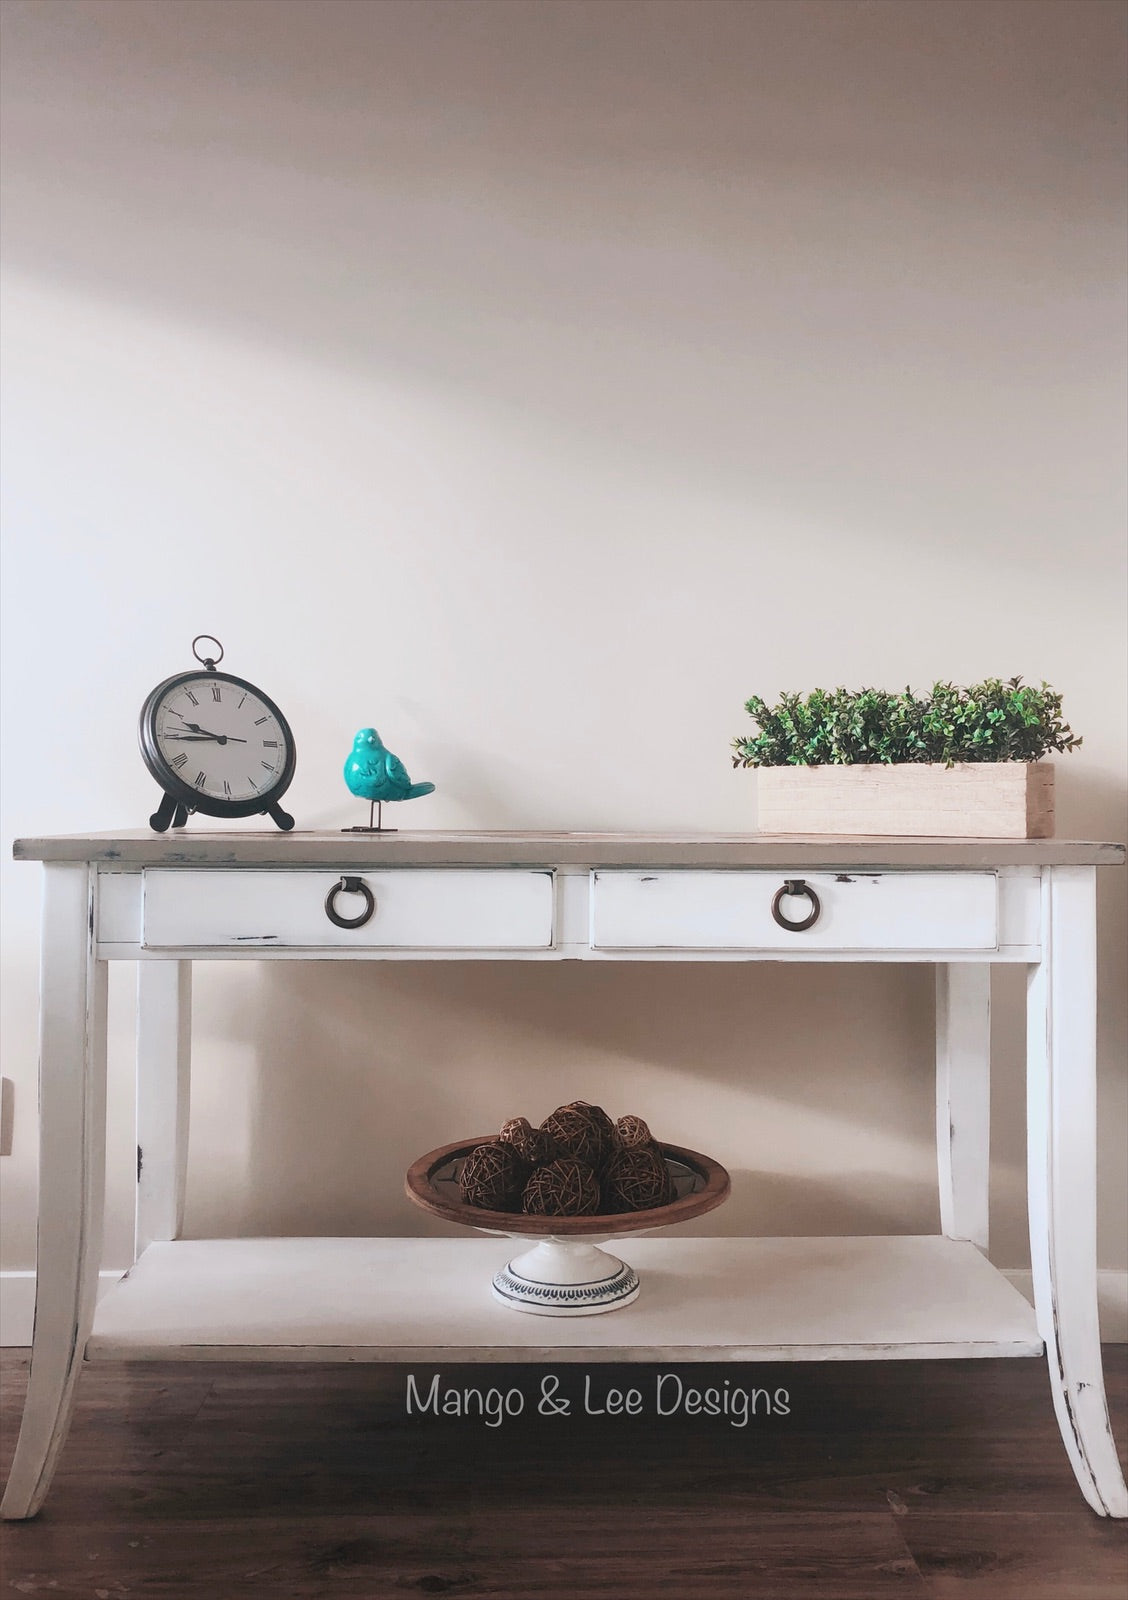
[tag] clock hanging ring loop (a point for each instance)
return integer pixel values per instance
(210, 662)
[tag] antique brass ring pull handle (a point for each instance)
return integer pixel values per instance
(350, 886)
(796, 886)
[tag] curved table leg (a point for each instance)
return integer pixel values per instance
(1061, 1158)
(72, 1102)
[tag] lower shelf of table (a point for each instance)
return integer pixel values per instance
(429, 1300)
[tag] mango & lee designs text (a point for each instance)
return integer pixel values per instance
(665, 1395)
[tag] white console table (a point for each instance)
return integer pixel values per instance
(169, 900)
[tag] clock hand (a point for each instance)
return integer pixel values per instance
(194, 727)
(206, 733)
(205, 738)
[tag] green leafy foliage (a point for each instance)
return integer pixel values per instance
(989, 721)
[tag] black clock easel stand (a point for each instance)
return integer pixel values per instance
(174, 813)
(170, 813)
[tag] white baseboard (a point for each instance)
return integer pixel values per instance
(17, 1302)
(1112, 1300)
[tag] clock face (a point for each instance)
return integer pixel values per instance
(221, 740)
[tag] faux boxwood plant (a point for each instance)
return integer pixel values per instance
(989, 721)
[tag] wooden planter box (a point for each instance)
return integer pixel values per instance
(974, 800)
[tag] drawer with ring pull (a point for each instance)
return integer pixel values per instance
(794, 910)
(401, 908)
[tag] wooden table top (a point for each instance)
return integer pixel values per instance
(338, 850)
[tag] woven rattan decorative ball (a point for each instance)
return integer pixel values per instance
(601, 1121)
(563, 1188)
(636, 1179)
(579, 1134)
(530, 1143)
(631, 1133)
(493, 1176)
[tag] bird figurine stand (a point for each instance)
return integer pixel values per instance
(374, 774)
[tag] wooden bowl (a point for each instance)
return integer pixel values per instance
(432, 1183)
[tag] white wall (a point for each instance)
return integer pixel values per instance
(536, 381)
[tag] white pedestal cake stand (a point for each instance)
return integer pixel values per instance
(566, 1278)
(565, 1273)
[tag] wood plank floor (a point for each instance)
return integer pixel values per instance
(930, 1479)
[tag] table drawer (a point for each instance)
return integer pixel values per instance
(412, 908)
(687, 910)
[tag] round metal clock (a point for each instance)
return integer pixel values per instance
(216, 744)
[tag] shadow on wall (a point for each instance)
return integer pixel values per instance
(798, 298)
(616, 216)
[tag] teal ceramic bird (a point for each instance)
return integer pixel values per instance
(376, 775)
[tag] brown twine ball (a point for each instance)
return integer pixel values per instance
(601, 1120)
(515, 1129)
(493, 1176)
(631, 1133)
(636, 1179)
(577, 1133)
(530, 1143)
(563, 1188)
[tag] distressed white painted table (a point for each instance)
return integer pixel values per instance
(167, 901)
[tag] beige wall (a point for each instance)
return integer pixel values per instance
(536, 381)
